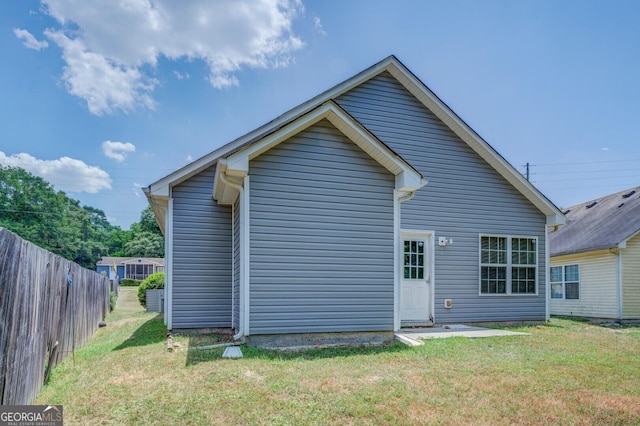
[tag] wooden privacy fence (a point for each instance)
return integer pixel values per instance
(49, 307)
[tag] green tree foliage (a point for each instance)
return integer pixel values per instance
(155, 280)
(30, 207)
(145, 244)
(146, 239)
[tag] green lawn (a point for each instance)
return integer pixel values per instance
(567, 372)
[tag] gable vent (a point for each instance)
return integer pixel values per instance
(628, 194)
(591, 205)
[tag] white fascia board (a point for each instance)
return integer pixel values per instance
(556, 219)
(162, 186)
(237, 164)
(218, 185)
(392, 65)
(475, 142)
(159, 204)
(408, 182)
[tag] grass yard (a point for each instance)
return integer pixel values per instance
(567, 372)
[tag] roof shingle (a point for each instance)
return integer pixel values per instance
(598, 224)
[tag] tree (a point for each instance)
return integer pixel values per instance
(145, 244)
(30, 207)
(147, 239)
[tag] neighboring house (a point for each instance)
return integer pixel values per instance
(595, 259)
(320, 221)
(137, 268)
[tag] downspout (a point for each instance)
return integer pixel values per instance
(619, 283)
(547, 269)
(397, 221)
(547, 274)
(240, 190)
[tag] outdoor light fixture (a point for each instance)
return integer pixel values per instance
(443, 241)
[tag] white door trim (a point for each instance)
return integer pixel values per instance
(429, 237)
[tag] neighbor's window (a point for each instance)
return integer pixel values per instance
(565, 282)
(138, 271)
(508, 265)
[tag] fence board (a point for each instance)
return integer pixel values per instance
(42, 317)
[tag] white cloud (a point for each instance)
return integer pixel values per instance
(29, 40)
(105, 85)
(318, 25)
(65, 174)
(137, 189)
(110, 46)
(117, 150)
(604, 148)
(182, 76)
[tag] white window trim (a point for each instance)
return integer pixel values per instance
(564, 281)
(509, 266)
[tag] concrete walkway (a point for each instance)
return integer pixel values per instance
(417, 336)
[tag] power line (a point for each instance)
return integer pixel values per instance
(581, 163)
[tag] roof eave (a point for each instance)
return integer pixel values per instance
(392, 65)
(236, 165)
(476, 142)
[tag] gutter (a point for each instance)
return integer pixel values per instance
(406, 197)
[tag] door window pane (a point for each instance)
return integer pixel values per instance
(414, 262)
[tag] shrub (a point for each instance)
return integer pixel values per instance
(112, 301)
(130, 282)
(152, 281)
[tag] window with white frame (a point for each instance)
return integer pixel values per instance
(565, 282)
(508, 264)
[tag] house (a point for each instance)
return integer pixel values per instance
(595, 259)
(370, 207)
(137, 268)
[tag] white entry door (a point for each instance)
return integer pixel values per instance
(415, 280)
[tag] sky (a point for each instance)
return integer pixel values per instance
(102, 98)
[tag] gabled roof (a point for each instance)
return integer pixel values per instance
(604, 223)
(236, 165)
(158, 192)
(109, 261)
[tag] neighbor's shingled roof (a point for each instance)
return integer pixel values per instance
(108, 261)
(598, 224)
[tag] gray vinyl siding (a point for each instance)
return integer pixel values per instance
(321, 237)
(236, 265)
(201, 255)
(465, 197)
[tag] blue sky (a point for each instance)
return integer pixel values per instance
(101, 98)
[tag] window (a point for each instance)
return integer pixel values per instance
(508, 265)
(565, 282)
(138, 271)
(413, 259)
